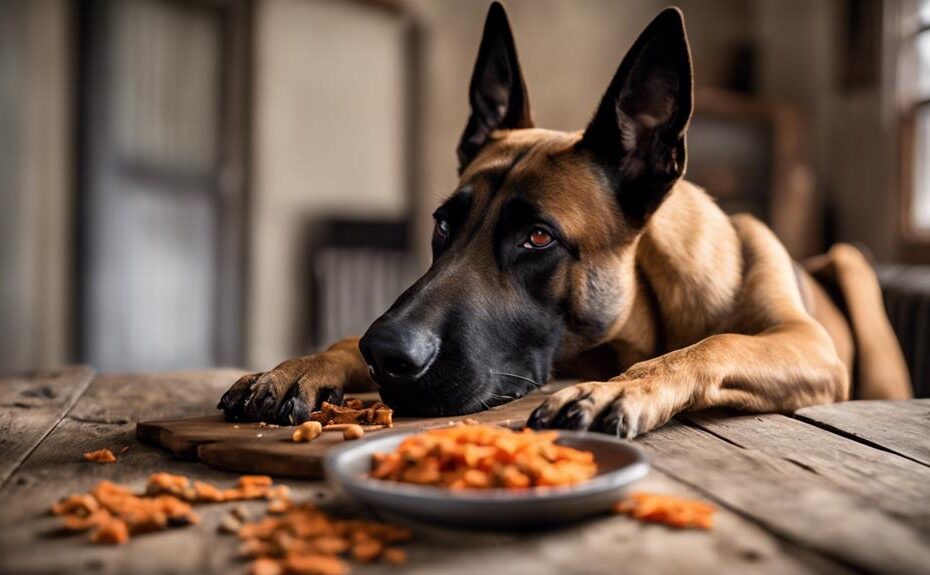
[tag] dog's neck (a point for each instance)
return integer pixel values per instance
(688, 259)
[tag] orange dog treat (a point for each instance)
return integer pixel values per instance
(376, 414)
(115, 513)
(483, 457)
(668, 510)
(307, 431)
(353, 431)
(100, 456)
(395, 556)
(111, 532)
(315, 565)
(82, 504)
(304, 539)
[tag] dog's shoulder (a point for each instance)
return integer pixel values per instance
(692, 257)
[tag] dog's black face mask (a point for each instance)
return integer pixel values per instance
(480, 327)
(533, 256)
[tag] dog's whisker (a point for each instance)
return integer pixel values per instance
(524, 378)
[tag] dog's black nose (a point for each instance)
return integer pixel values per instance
(396, 353)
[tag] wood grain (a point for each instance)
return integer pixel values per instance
(790, 500)
(105, 417)
(881, 480)
(902, 427)
(31, 406)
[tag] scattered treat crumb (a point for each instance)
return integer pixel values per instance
(113, 513)
(100, 456)
(353, 431)
(395, 555)
(305, 540)
(124, 450)
(668, 510)
(484, 457)
(229, 524)
(241, 513)
(112, 531)
(307, 431)
(266, 566)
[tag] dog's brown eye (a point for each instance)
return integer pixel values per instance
(441, 229)
(539, 238)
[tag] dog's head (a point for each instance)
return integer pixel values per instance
(533, 254)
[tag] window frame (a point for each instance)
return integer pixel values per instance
(916, 240)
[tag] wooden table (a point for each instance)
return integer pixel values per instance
(839, 488)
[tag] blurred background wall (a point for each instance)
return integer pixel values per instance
(205, 182)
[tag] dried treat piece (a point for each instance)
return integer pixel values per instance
(367, 550)
(229, 524)
(311, 564)
(279, 505)
(307, 431)
(395, 556)
(279, 492)
(206, 492)
(353, 431)
(328, 545)
(266, 566)
(82, 504)
(354, 403)
(111, 532)
(255, 481)
(83, 523)
(668, 510)
(241, 513)
(160, 483)
(376, 414)
(100, 456)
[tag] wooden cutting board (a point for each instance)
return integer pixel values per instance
(258, 448)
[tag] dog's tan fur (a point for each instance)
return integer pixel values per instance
(703, 309)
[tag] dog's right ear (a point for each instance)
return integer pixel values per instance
(497, 93)
(638, 131)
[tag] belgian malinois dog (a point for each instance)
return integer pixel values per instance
(587, 255)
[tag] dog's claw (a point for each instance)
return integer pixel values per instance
(537, 419)
(573, 416)
(233, 401)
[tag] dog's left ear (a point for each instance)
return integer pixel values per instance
(638, 131)
(497, 93)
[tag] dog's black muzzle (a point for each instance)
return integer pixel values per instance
(398, 354)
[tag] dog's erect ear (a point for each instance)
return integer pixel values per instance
(638, 131)
(497, 93)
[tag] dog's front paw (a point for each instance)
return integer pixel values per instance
(621, 408)
(285, 395)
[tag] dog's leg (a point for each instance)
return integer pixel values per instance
(780, 370)
(288, 393)
(788, 362)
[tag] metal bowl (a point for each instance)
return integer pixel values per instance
(619, 464)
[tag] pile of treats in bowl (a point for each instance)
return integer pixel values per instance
(484, 457)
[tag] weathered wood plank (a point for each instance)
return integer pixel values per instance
(614, 544)
(105, 417)
(902, 427)
(31, 406)
(883, 480)
(789, 500)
